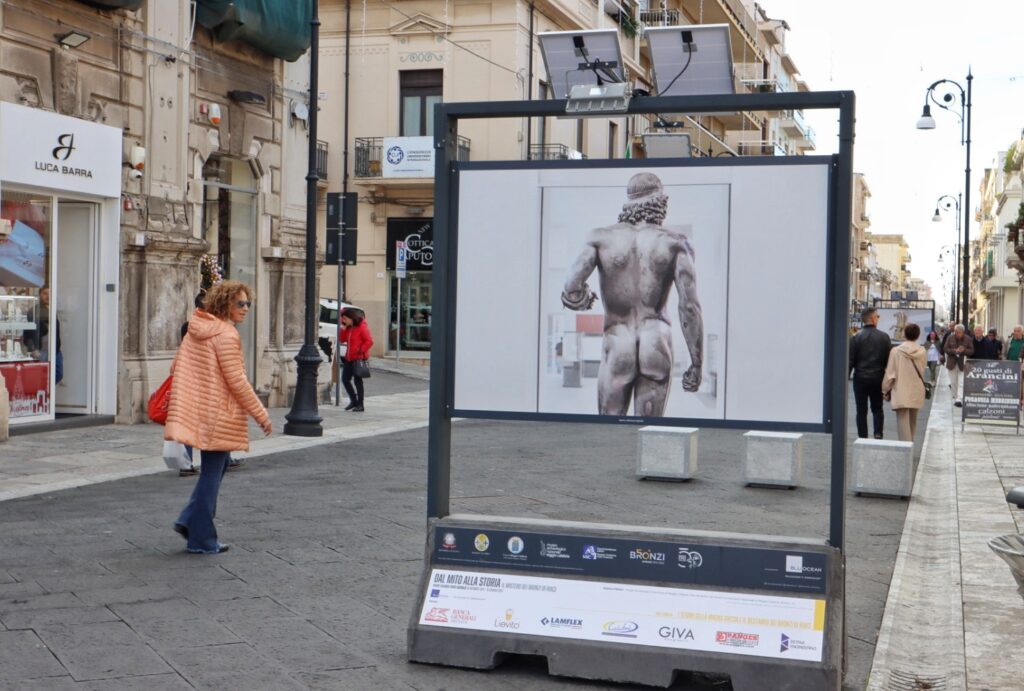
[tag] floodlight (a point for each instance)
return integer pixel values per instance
(667, 144)
(691, 60)
(581, 58)
(926, 121)
(72, 39)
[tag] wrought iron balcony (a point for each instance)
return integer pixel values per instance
(321, 160)
(369, 153)
(553, 152)
(650, 18)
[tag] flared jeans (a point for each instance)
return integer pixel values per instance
(197, 516)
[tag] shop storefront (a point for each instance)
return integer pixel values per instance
(409, 299)
(60, 184)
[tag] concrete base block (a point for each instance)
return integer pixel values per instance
(774, 459)
(883, 467)
(666, 453)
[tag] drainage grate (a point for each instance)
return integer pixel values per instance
(908, 681)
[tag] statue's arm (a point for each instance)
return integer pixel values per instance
(691, 318)
(576, 294)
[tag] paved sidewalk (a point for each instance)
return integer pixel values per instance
(953, 616)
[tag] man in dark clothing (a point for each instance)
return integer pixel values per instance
(989, 347)
(869, 354)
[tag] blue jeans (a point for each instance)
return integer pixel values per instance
(198, 514)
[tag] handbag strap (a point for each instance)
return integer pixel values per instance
(914, 367)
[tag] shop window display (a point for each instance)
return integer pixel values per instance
(26, 348)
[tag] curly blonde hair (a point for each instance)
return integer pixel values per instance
(220, 297)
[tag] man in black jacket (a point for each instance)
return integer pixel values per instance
(869, 354)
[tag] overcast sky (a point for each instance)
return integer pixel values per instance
(888, 53)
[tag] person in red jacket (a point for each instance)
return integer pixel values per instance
(356, 333)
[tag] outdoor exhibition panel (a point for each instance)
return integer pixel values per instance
(892, 321)
(646, 293)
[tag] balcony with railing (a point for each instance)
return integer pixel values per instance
(554, 152)
(369, 157)
(321, 160)
(792, 123)
(759, 147)
(658, 18)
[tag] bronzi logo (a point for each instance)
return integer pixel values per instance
(66, 146)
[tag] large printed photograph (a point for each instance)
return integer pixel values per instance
(893, 320)
(633, 298)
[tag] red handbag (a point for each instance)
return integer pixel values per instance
(160, 402)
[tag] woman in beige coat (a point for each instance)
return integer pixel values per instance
(903, 383)
(210, 398)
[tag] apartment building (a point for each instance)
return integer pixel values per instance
(137, 137)
(997, 268)
(893, 254)
(396, 60)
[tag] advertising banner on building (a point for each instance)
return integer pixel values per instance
(632, 614)
(647, 284)
(408, 157)
(893, 320)
(992, 391)
(417, 234)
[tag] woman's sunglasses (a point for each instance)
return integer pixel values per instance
(244, 303)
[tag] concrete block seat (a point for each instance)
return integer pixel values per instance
(882, 467)
(666, 453)
(774, 459)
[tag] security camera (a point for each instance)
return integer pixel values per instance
(134, 174)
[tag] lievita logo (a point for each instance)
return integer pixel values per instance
(62, 152)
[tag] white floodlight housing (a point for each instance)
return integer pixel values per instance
(581, 58)
(667, 144)
(693, 60)
(604, 100)
(926, 121)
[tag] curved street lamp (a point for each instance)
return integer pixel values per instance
(947, 90)
(945, 203)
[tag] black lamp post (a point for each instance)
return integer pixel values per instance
(945, 203)
(927, 122)
(304, 417)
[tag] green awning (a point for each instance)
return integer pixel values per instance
(115, 4)
(277, 27)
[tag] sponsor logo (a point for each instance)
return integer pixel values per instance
(593, 552)
(795, 564)
(688, 559)
(462, 616)
(66, 144)
(737, 639)
(448, 541)
(675, 633)
(481, 542)
(620, 629)
(516, 545)
(788, 643)
(437, 614)
(552, 550)
(562, 623)
(647, 556)
(395, 155)
(436, 592)
(507, 622)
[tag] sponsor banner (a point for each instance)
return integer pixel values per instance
(991, 391)
(684, 563)
(408, 157)
(700, 620)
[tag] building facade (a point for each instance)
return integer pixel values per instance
(997, 295)
(158, 132)
(398, 60)
(893, 254)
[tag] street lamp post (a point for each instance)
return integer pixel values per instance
(303, 420)
(945, 203)
(927, 122)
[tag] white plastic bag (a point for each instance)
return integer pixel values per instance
(175, 456)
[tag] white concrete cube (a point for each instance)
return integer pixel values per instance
(883, 467)
(666, 453)
(774, 459)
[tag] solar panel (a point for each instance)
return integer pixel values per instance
(702, 50)
(564, 51)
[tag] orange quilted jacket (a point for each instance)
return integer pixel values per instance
(210, 393)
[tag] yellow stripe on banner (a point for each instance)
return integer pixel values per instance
(819, 615)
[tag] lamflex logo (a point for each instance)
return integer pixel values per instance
(562, 623)
(395, 155)
(620, 629)
(645, 555)
(65, 145)
(689, 559)
(507, 622)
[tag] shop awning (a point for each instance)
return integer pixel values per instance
(278, 27)
(115, 4)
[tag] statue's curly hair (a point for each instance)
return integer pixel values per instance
(651, 210)
(220, 297)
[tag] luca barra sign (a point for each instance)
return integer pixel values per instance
(44, 149)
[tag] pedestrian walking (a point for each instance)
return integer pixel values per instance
(869, 354)
(1015, 344)
(210, 397)
(958, 348)
(988, 347)
(904, 382)
(935, 356)
(356, 333)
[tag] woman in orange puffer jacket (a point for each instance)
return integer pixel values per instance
(210, 398)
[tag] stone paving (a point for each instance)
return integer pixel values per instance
(96, 592)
